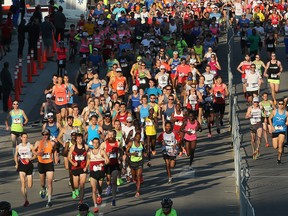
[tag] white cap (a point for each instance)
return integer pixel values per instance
(134, 88)
(129, 118)
(255, 99)
(50, 114)
(162, 67)
(118, 69)
(48, 96)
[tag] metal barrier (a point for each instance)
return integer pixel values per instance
(241, 173)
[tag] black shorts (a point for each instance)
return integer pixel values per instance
(43, 168)
(17, 134)
(136, 165)
(219, 108)
(27, 169)
(77, 172)
(275, 135)
(110, 168)
(168, 157)
(59, 107)
(255, 127)
(69, 105)
(265, 120)
(98, 175)
(207, 112)
(251, 93)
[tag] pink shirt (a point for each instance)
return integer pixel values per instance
(192, 128)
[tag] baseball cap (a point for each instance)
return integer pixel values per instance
(45, 131)
(139, 58)
(85, 34)
(107, 114)
(175, 52)
(95, 49)
(255, 99)
(162, 67)
(48, 96)
(129, 119)
(134, 88)
(118, 69)
(50, 115)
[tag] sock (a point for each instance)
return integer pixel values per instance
(49, 198)
(95, 205)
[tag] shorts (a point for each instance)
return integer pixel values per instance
(48, 42)
(153, 137)
(110, 168)
(69, 105)
(251, 93)
(274, 81)
(59, 107)
(168, 157)
(275, 135)
(77, 172)
(98, 175)
(17, 134)
(265, 118)
(255, 127)
(207, 112)
(43, 168)
(136, 165)
(219, 108)
(27, 169)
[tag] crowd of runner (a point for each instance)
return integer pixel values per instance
(149, 77)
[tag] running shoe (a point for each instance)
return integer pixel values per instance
(119, 181)
(218, 130)
(137, 195)
(267, 145)
(77, 192)
(49, 204)
(113, 203)
(170, 181)
(180, 154)
(184, 151)
(209, 135)
(80, 202)
(149, 164)
(278, 162)
(96, 210)
(99, 200)
(141, 179)
(26, 204)
(190, 167)
(108, 190)
(43, 193)
(257, 153)
(221, 122)
(74, 196)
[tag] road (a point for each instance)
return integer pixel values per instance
(208, 190)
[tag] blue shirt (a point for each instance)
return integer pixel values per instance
(279, 122)
(155, 90)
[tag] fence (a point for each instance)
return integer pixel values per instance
(241, 173)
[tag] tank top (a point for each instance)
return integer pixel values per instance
(163, 80)
(94, 86)
(97, 162)
(179, 121)
(92, 133)
(252, 81)
(135, 102)
(79, 156)
(199, 51)
(54, 131)
(24, 152)
(47, 152)
(208, 103)
(218, 92)
(150, 128)
(202, 89)
(191, 127)
(119, 85)
(70, 90)
(168, 112)
(77, 123)
(193, 102)
(60, 95)
(122, 118)
(138, 150)
(67, 134)
(174, 64)
(144, 112)
(113, 150)
(17, 121)
(273, 70)
(245, 66)
(169, 140)
(255, 115)
(266, 108)
(279, 122)
(107, 127)
(84, 47)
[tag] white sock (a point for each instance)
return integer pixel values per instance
(95, 205)
(49, 198)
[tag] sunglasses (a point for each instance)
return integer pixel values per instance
(168, 89)
(280, 103)
(45, 134)
(129, 121)
(15, 104)
(170, 99)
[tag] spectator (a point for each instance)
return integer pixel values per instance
(59, 22)
(7, 85)
(21, 37)
(47, 29)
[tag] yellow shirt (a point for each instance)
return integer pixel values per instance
(150, 128)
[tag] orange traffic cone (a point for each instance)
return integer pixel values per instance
(44, 57)
(9, 103)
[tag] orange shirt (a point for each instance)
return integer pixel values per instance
(60, 95)
(119, 85)
(47, 152)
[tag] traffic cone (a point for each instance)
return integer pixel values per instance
(34, 69)
(54, 43)
(44, 57)
(9, 103)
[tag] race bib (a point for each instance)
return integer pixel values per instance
(60, 99)
(79, 158)
(181, 75)
(52, 138)
(270, 45)
(178, 123)
(219, 95)
(113, 155)
(124, 65)
(168, 118)
(149, 123)
(46, 156)
(97, 168)
(192, 131)
(60, 62)
(274, 76)
(142, 81)
(24, 156)
(120, 88)
(278, 127)
(16, 121)
(253, 85)
(84, 55)
(213, 72)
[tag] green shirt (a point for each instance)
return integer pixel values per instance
(254, 42)
(159, 212)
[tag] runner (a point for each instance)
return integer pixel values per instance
(189, 128)
(242, 67)
(24, 154)
(279, 121)
(166, 209)
(93, 131)
(17, 116)
(96, 160)
(84, 210)
(111, 147)
(77, 157)
(267, 107)
(254, 113)
(170, 143)
(45, 149)
(253, 83)
(273, 71)
(134, 151)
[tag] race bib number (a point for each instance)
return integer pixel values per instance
(149, 123)
(61, 62)
(52, 138)
(124, 65)
(219, 95)
(84, 55)
(142, 81)
(168, 118)
(181, 75)
(253, 85)
(120, 88)
(46, 156)
(274, 76)
(270, 45)
(60, 99)
(178, 123)
(17, 121)
(24, 156)
(192, 131)
(279, 128)
(79, 158)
